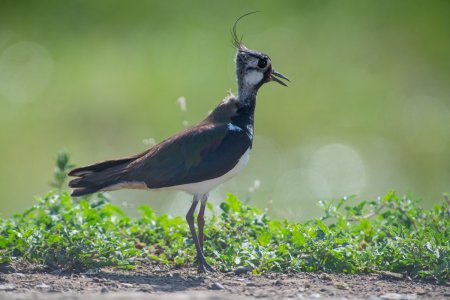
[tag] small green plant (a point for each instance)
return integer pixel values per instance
(60, 174)
(391, 233)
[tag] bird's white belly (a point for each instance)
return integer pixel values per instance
(207, 185)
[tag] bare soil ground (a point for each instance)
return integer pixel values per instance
(157, 282)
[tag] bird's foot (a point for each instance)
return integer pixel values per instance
(203, 266)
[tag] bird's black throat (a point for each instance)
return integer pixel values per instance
(244, 117)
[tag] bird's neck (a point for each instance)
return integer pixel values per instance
(247, 105)
(245, 114)
(246, 93)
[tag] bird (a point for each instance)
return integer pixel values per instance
(199, 158)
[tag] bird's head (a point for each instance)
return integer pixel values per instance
(253, 68)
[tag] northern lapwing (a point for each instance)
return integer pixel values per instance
(197, 159)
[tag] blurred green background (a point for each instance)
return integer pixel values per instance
(367, 110)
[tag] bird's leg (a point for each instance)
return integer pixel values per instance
(201, 225)
(201, 220)
(202, 264)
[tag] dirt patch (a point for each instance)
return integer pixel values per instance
(156, 282)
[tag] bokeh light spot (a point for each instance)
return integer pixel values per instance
(342, 168)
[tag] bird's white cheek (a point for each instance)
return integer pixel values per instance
(253, 78)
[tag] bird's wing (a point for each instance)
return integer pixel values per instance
(197, 154)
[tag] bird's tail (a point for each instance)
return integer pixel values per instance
(106, 175)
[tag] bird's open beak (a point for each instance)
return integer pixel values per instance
(275, 74)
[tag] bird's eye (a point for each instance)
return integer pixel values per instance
(262, 63)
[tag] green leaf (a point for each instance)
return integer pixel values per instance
(264, 238)
(323, 226)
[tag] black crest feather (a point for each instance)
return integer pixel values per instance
(237, 42)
